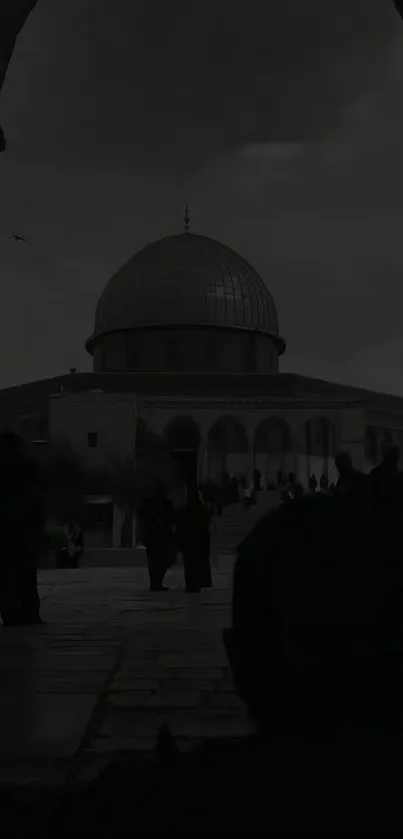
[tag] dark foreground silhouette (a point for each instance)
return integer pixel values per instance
(21, 532)
(315, 647)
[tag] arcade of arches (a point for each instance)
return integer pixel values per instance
(271, 446)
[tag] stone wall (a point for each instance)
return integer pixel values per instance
(111, 417)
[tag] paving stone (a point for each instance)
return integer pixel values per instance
(170, 652)
(44, 725)
(141, 671)
(129, 699)
(78, 683)
(206, 724)
(224, 701)
(225, 685)
(118, 745)
(72, 663)
(185, 684)
(131, 724)
(185, 672)
(192, 660)
(174, 699)
(134, 683)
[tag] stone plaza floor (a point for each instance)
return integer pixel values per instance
(113, 662)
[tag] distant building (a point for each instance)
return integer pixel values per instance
(187, 338)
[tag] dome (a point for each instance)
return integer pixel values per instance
(186, 280)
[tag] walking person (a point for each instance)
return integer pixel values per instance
(247, 498)
(313, 484)
(158, 522)
(324, 483)
(22, 532)
(71, 545)
(350, 480)
(384, 480)
(234, 491)
(194, 543)
(257, 480)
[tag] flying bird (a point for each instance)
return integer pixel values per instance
(18, 238)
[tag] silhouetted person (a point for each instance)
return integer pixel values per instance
(299, 490)
(22, 520)
(285, 496)
(234, 490)
(158, 522)
(324, 483)
(71, 546)
(350, 480)
(315, 650)
(208, 490)
(257, 480)
(218, 499)
(313, 484)
(226, 488)
(384, 480)
(247, 498)
(193, 536)
(291, 484)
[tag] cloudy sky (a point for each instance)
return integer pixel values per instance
(281, 121)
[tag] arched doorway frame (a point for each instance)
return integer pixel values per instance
(227, 447)
(183, 438)
(273, 450)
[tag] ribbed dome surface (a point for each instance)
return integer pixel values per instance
(186, 280)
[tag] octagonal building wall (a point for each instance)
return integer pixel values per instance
(186, 350)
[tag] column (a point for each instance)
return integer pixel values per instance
(117, 526)
(250, 457)
(202, 461)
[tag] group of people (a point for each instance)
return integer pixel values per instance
(166, 532)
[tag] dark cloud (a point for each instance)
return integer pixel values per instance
(173, 84)
(281, 122)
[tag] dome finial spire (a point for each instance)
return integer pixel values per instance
(186, 218)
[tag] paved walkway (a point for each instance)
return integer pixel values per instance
(113, 662)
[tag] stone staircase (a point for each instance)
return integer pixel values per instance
(235, 522)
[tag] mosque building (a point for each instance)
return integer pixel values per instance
(187, 339)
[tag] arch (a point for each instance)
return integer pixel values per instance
(182, 433)
(273, 435)
(182, 437)
(227, 448)
(320, 448)
(228, 435)
(320, 437)
(272, 451)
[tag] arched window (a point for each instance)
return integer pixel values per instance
(320, 437)
(228, 436)
(273, 436)
(182, 433)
